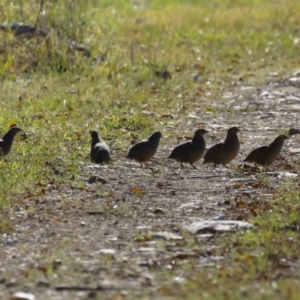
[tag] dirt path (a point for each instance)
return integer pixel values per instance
(99, 237)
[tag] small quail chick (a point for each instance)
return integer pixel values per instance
(190, 152)
(144, 150)
(100, 152)
(223, 153)
(266, 155)
(7, 140)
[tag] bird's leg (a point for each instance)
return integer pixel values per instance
(193, 166)
(181, 165)
(265, 168)
(141, 165)
(225, 166)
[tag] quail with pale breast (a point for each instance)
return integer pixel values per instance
(224, 153)
(144, 150)
(100, 152)
(266, 155)
(192, 151)
(7, 140)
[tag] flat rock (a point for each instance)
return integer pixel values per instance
(203, 227)
(167, 236)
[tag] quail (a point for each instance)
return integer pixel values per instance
(223, 153)
(7, 140)
(294, 131)
(190, 152)
(144, 150)
(266, 155)
(100, 152)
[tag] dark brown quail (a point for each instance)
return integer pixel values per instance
(7, 140)
(266, 155)
(190, 152)
(100, 152)
(223, 153)
(143, 151)
(294, 131)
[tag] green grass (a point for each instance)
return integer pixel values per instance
(57, 95)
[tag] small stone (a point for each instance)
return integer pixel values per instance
(282, 175)
(217, 226)
(220, 218)
(294, 79)
(108, 251)
(22, 296)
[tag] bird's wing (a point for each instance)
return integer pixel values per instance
(257, 153)
(214, 152)
(181, 150)
(137, 148)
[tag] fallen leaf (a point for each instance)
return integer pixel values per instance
(255, 185)
(43, 269)
(238, 185)
(186, 255)
(117, 296)
(249, 258)
(167, 116)
(253, 212)
(161, 185)
(137, 190)
(57, 220)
